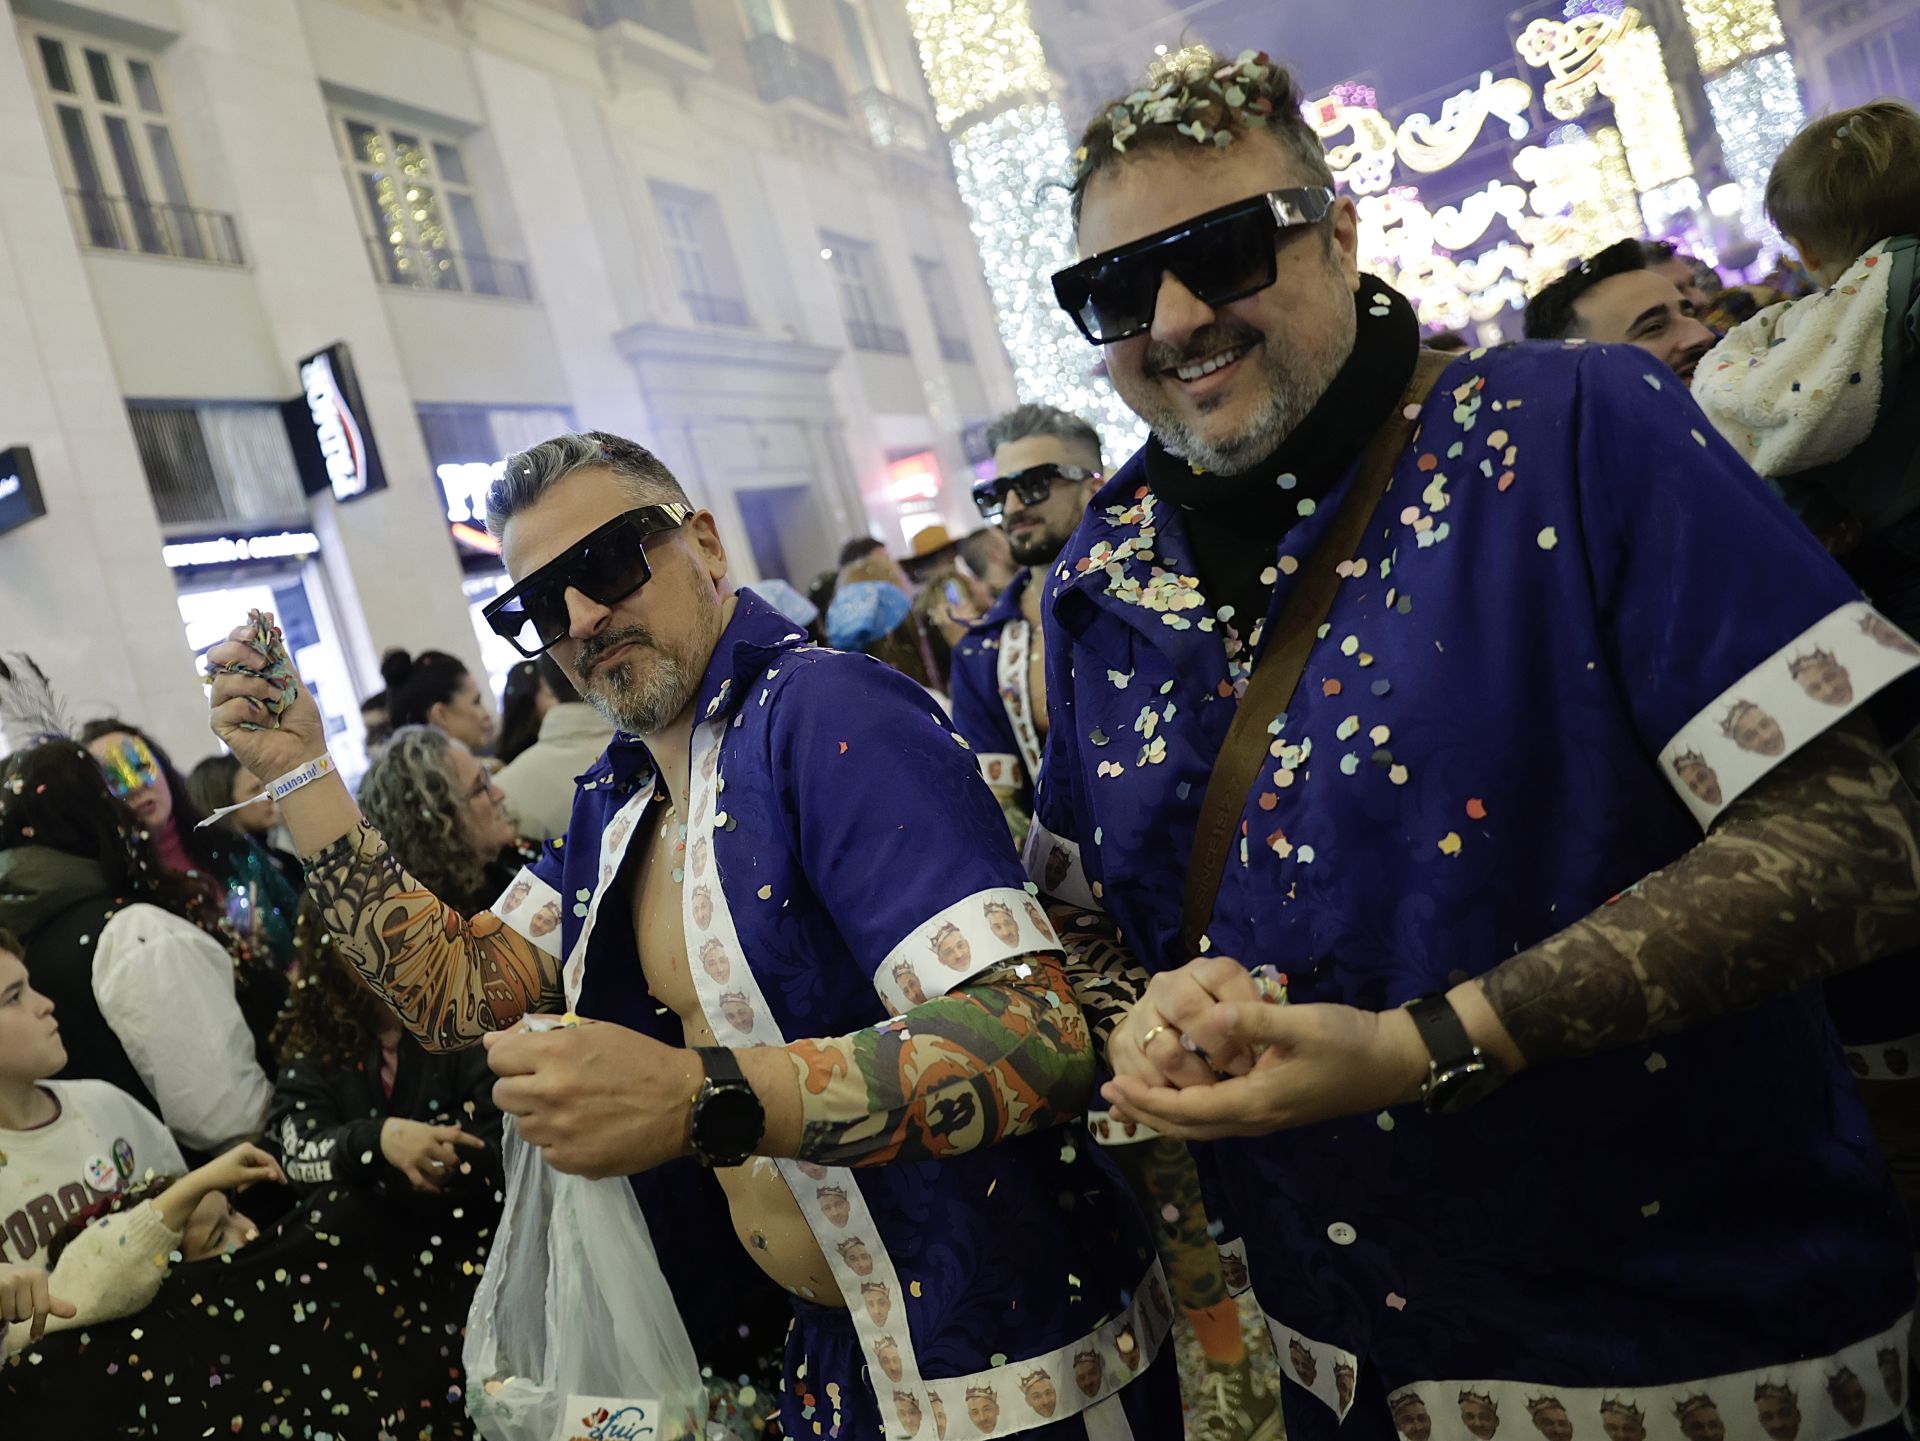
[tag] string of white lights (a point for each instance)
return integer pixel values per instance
(993, 96)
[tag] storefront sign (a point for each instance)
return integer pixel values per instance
(20, 499)
(240, 549)
(327, 424)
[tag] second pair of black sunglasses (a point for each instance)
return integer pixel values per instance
(1033, 485)
(606, 565)
(1221, 256)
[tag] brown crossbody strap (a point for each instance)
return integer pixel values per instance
(1284, 659)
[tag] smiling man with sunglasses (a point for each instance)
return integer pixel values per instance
(1373, 679)
(789, 906)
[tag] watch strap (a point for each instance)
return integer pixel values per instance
(721, 1065)
(1439, 1025)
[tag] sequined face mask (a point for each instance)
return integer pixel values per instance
(130, 766)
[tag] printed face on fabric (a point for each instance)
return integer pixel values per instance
(639, 661)
(1281, 345)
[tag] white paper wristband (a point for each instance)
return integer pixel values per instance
(282, 787)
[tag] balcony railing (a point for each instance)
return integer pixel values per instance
(114, 222)
(893, 124)
(956, 349)
(716, 309)
(419, 268)
(785, 71)
(887, 339)
(674, 19)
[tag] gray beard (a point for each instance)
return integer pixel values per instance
(1294, 383)
(647, 706)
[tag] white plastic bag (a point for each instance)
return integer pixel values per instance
(573, 1332)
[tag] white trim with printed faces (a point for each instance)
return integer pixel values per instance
(614, 841)
(1319, 1367)
(1897, 1060)
(835, 1206)
(1016, 696)
(1053, 864)
(1821, 675)
(735, 1006)
(987, 929)
(1233, 1266)
(1826, 1398)
(999, 768)
(530, 907)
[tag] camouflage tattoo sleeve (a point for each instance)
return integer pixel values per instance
(1162, 1174)
(1107, 981)
(449, 979)
(1812, 872)
(1002, 1055)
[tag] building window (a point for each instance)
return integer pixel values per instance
(703, 265)
(936, 283)
(115, 151)
(863, 45)
(865, 304)
(226, 463)
(423, 224)
(768, 17)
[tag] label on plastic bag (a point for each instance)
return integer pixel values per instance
(608, 1418)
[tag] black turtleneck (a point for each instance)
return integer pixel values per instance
(1235, 523)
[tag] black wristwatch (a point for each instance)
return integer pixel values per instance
(1459, 1074)
(728, 1119)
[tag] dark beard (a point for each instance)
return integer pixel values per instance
(1037, 547)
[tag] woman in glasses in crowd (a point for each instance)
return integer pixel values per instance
(443, 816)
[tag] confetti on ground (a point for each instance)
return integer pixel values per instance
(1450, 844)
(1548, 538)
(1476, 809)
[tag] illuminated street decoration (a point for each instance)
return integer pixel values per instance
(1572, 51)
(1428, 145)
(1635, 80)
(993, 97)
(1753, 93)
(1727, 31)
(1363, 164)
(1756, 108)
(1607, 52)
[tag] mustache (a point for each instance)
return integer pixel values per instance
(596, 646)
(1209, 340)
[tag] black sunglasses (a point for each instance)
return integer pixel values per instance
(606, 566)
(1033, 485)
(1220, 256)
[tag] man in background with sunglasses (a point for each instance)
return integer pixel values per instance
(1047, 466)
(1387, 762)
(878, 1002)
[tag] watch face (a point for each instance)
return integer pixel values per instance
(728, 1123)
(1463, 1087)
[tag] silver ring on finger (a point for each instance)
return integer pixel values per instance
(438, 1165)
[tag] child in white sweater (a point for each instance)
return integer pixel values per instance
(111, 1265)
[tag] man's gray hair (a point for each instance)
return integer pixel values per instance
(1026, 421)
(531, 473)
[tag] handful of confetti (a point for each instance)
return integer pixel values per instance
(271, 643)
(1272, 984)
